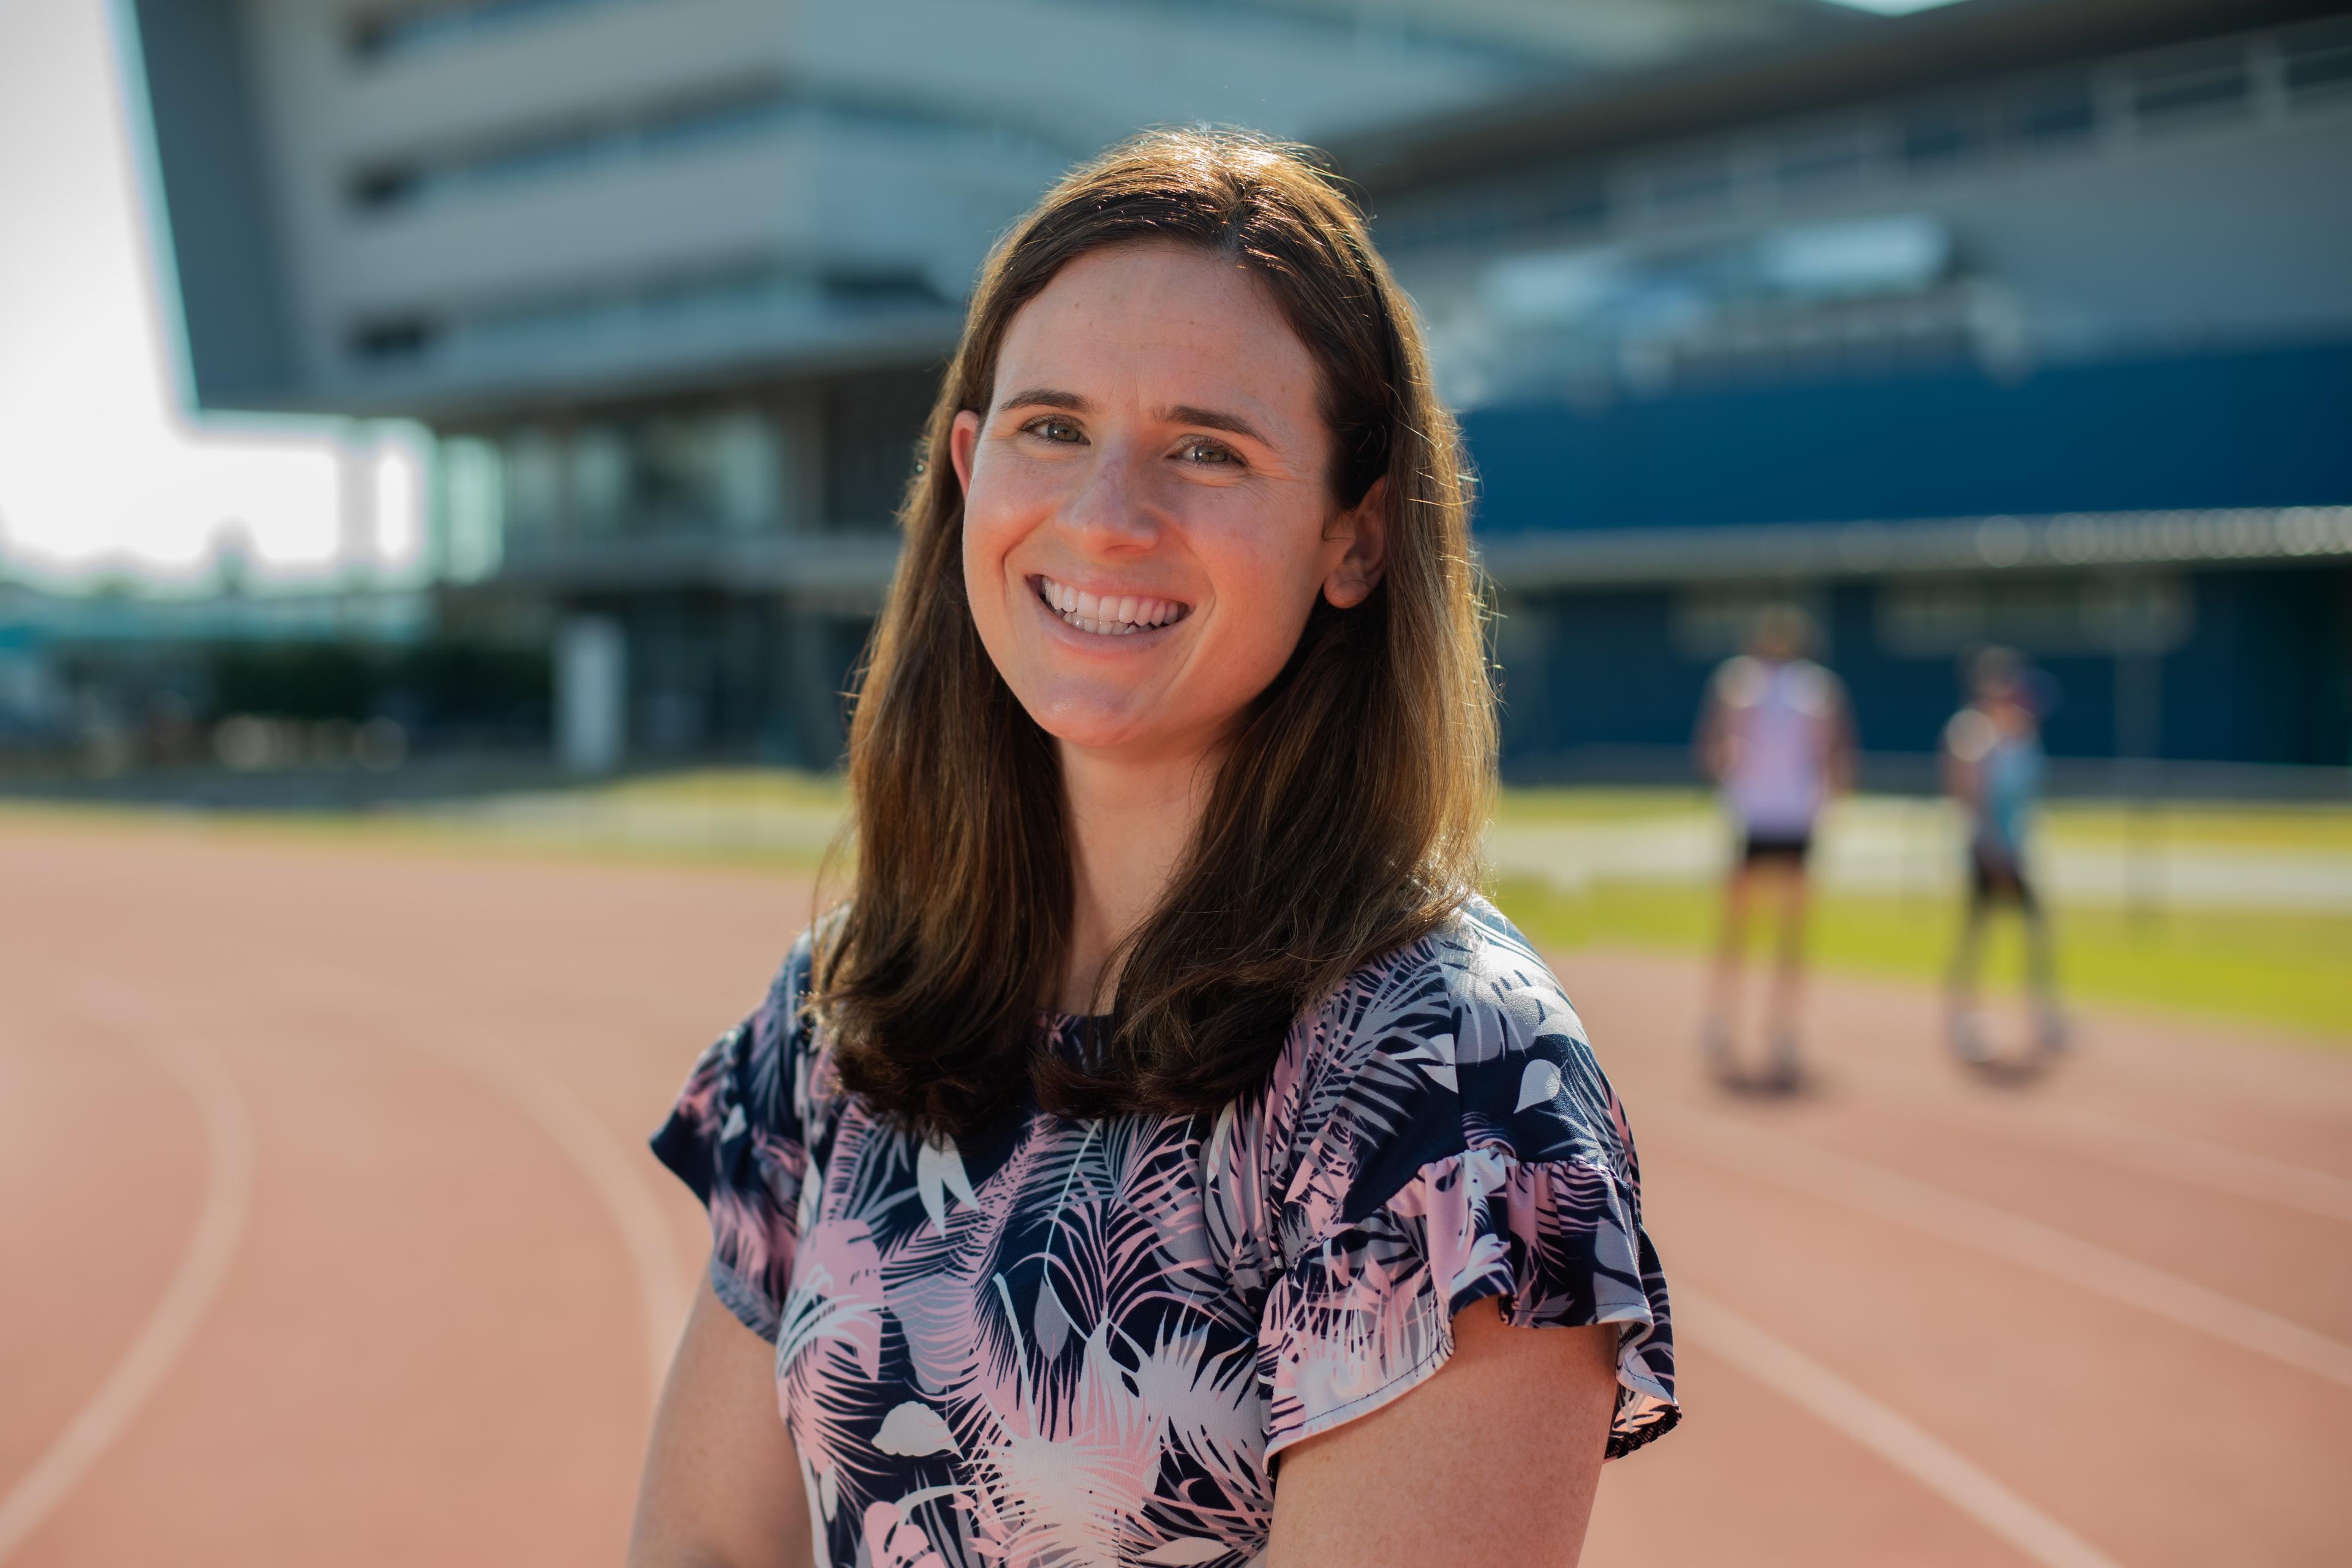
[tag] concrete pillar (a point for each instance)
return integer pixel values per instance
(592, 694)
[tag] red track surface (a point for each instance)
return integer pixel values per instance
(327, 1235)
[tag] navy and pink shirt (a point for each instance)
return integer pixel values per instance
(1087, 1341)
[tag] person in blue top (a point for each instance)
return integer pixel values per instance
(1993, 768)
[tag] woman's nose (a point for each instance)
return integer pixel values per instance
(1112, 513)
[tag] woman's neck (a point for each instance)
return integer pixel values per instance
(1129, 823)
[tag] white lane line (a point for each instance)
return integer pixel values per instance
(551, 1104)
(1800, 1166)
(1950, 1475)
(230, 1163)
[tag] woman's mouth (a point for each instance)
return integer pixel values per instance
(1107, 615)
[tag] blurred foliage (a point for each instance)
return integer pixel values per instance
(431, 686)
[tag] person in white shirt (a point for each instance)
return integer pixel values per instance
(1777, 737)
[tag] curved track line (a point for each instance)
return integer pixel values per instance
(229, 1162)
(549, 1103)
(1800, 1166)
(1950, 1475)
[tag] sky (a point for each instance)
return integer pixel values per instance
(103, 472)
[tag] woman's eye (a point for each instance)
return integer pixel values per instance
(1202, 451)
(1056, 430)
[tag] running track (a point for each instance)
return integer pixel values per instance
(327, 1235)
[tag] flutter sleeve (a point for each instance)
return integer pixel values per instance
(735, 1137)
(1455, 1142)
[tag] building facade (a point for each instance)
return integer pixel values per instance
(672, 281)
(2014, 321)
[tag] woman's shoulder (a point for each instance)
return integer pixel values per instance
(785, 1046)
(1463, 1040)
(1471, 993)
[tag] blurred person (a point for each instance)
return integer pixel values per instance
(1992, 766)
(1163, 1099)
(1776, 736)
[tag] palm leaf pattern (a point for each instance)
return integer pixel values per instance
(1084, 1342)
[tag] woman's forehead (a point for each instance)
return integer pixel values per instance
(1157, 327)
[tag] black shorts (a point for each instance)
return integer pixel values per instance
(1788, 850)
(1997, 879)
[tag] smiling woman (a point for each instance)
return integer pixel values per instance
(1162, 1109)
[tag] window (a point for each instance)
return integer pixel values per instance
(534, 489)
(392, 339)
(1692, 182)
(2319, 61)
(469, 507)
(2203, 83)
(390, 33)
(599, 478)
(2049, 110)
(1820, 158)
(1940, 133)
(735, 113)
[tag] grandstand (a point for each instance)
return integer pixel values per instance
(2016, 323)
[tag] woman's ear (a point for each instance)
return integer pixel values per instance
(1365, 526)
(962, 436)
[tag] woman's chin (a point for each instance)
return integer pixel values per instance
(1106, 724)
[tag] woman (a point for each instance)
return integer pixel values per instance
(1163, 1113)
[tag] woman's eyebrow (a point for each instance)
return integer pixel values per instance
(1045, 397)
(1212, 420)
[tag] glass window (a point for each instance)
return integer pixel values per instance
(2053, 110)
(2204, 82)
(534, 487)
(1939, 134)
(746, 465)
(469, 508)
(2319, 60)
(599, 478)
(1823, 154)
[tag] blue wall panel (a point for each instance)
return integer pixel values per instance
(2266, 674)
(2266, 428)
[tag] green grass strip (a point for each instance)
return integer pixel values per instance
(2293, 970)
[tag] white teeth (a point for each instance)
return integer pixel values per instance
(1115, 615)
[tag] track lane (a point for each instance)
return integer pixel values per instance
(2163, 1447)
(413, 1359)
(2157, 1446)
(88, 1244)
(42, 1485)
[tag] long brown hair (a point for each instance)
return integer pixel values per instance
(1345, 819)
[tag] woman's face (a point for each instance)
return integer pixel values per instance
(1147, 513)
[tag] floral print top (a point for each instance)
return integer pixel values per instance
(1082, 1342)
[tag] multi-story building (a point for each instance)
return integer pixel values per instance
(2016, 323)
(672, 279)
